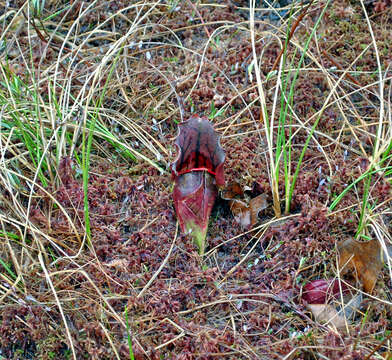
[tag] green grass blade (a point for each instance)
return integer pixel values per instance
(291, 95)
(9, 271)
(387, 170)
(129, 338)
(87, 149)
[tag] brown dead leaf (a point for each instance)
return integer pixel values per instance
(232, 191)
(118, 264)
(337, 316)
(256, 205)
(241, 213)
(240, 209)
(245, 211)
(363, 259)
(327, 315)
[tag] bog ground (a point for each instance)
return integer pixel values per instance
(93, 264)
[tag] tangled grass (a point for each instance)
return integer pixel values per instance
(92, 263)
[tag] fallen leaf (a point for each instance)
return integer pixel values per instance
(197, 172)
(233, 191)
(363, 259)
(118, 264)
(256, 205)
(351, 307)
(239, 208)
(322, 291)
(327, 315)
(338, 316)
(245, 211)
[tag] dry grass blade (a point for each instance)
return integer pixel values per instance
(91, 94)
(161, 266)
(47, 276)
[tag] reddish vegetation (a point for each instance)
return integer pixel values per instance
(322, 291)
(197, 172)
(223, 308)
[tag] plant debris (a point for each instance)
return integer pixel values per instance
(327, 314)
(105, 84)
(364, 260)
(245, 210)
(337, 314)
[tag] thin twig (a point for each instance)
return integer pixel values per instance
(235, 267)
(378, 346)
(340, 67)
(200, 17)
(50, 283)
(294, 27)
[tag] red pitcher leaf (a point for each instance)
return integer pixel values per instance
(66, 173)
(363, 259)
(197, 171)
(199, 149)
(322, 291)
(194, 196)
